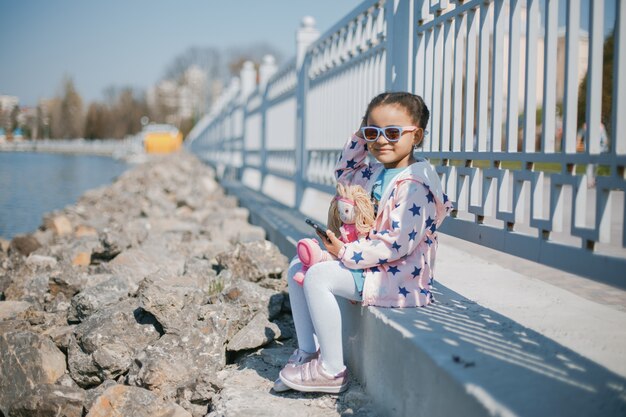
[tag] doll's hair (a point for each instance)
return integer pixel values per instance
(412, 103)
(364, 210)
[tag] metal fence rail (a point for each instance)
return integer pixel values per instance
(504, 89)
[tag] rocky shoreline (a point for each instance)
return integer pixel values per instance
(150, 297)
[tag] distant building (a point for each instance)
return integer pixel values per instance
(177, 100)
(8, 104)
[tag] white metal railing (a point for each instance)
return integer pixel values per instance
(487, 69)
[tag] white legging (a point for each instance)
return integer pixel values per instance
(315, 309)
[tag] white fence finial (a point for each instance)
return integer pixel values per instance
(305, 36)
(248, 79)
(267, 69)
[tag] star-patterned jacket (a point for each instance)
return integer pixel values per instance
(398, 255)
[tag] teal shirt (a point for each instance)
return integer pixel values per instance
(378, 190)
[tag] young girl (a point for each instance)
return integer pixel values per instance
(393, 265)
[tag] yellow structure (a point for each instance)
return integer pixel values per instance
(161, 139)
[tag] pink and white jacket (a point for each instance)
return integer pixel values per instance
(398, 255)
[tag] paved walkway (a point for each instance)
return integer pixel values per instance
(585, 316)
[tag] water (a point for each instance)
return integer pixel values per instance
(32, 184)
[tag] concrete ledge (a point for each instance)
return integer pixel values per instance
(460, 357)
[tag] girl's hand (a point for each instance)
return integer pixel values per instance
(334, 246)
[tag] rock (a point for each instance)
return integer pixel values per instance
(68, 281)
(56, 304)
(91, 395)
(24, 244)
(196, 396)
(237, 230)
(14, 325)
(82, 259)
(61, 336)
(104, 344)
(11, 309)
(254, 296)
(112, 243)
(136, 264)
(44, 237)
(60, 225)
(48, 400)
(40, 261)
(88, 301)
(254, 261)
(123, 401)
(78, 252)
(247, 390)
(258, 332)
(166, 298)
(4, 245)
(27, 360)
(85, 231)
(198, 267)
(177, 359)
(31, 288)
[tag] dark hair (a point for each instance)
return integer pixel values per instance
(412, 103)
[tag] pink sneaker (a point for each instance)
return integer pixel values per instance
(298, 357)
(311, 377)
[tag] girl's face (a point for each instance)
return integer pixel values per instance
(400, 153)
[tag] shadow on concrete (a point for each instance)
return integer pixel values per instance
(506, 366)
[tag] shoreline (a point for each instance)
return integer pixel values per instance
(154, 290)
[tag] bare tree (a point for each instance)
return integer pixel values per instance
(67, 112)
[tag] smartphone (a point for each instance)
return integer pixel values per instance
(318, 228)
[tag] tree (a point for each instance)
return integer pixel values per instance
(97, 121)
(67, 112)
(607, 87)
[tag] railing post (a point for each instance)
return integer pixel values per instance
(400, 36)
(266, 70)
(305, 36)
(248, 83)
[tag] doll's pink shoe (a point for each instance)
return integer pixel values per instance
(298, 277)
(298, 357)
(312, 377)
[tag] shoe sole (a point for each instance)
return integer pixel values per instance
(279, 386)
(313, 388)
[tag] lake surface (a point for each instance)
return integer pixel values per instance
(32, 184)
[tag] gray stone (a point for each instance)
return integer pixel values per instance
(122, 400)
(91, 395)
(48, 400)
(254, 296)
(10, 309)
(136, 264)
(258, 332)
(177, 359)
(67, 280)
(108, 292)
(254, 261)
(197, 396)
(14, 325)
(106, 342)
(24, 244)
(112, 243)
(28, 287)
(27, 359)
(237, 230)
(40, 261)
(166, 298)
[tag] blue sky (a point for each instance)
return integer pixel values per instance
(100, 43)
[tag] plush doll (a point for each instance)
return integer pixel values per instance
(350, 217)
